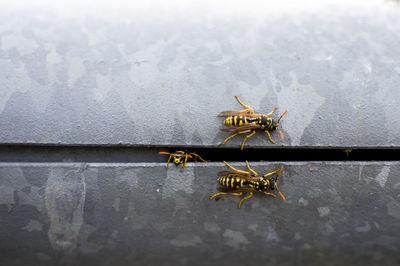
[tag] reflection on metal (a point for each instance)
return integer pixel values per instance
(120, 212)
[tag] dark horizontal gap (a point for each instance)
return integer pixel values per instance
(26, 153)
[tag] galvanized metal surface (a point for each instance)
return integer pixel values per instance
(131, 78)
(143, 214)
(140, 78)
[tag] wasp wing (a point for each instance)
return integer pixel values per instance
(236, 190)
(241, 128)
(231, 173)
(254, 115)
(238, 113)
(233, 113)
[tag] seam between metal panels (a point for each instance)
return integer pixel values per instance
(191, 146)
(196, 165)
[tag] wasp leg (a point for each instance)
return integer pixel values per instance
(251, 170)
(269, 136)
(234, 169)
(164, 152)
(170, 156)
(234, 135)
(248, 136)
(248, 108)
(184, 163)
(198, 156)
(273, 110)
(281, 134)
(279, 170)
(249, 111)
(247, 197)
(271, 194)
(226, 193)
(169, 159)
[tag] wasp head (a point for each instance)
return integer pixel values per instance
(178, 159)
(274, 183)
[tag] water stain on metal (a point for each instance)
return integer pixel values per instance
(363, 229)
(297, 236)
(271, 236)
(323, 211)
(65, 195)
(394, 209)
(86, 245)
(183, 241)
(236, 239)
(303, 202)
(312, 167)
(130, 177)
(211, 227)
(116, 204)
(295, 97)
(253, 227)
(178, 181)
(76, 69)
(7, 196)
(33, 226)
(328, 228)
(382, 177)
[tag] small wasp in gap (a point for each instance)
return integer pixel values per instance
(237, 182)
(181, 157)
(245, 121)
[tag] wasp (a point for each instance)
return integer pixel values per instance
(181, 157)
(246, 121)
(236, 182)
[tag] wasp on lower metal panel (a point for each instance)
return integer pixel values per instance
(245, 121)
(181, 157)
(237, 182)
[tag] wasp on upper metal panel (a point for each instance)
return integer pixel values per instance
(245, 121)
(236, 182)
(181, 157)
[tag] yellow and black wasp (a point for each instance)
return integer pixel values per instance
(246, 121)
(236, 182)
(181, 157)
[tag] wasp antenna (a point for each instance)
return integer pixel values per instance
(281, 116)
(277, 175)
(280, 193)
(163, 152)
(276, 184)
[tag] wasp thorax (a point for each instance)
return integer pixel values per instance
(264, 184)
(266, 122)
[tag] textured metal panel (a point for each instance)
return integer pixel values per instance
(144, 214)
(160, 79)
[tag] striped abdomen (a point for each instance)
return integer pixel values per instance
(232, 182)
(237, 120)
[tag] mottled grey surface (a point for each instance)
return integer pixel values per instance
(143, 214)
(161, 78)
(120, 76)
